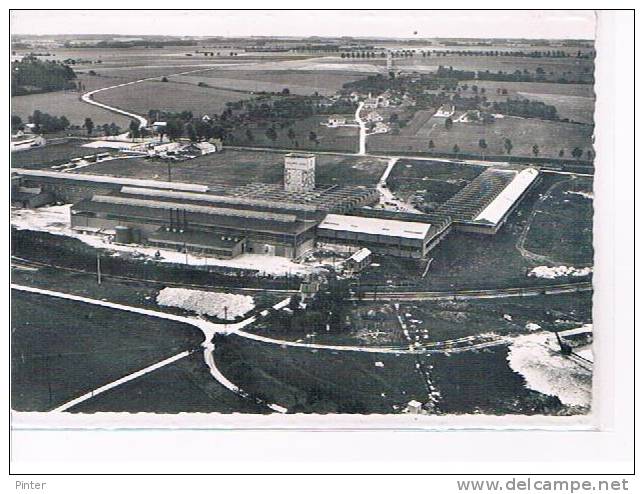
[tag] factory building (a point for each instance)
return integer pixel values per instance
(270, 219)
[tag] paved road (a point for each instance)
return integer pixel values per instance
(363, 130)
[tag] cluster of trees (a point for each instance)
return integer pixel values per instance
(143, 43)
(32, 75)
(326, 312)
(181, 124)
(526, 108)
(47, 124)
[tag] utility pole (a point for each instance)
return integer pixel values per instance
(98, 268)
(169, 173)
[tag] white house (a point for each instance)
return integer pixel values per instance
(336, 121)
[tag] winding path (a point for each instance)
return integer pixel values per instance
(88, 96)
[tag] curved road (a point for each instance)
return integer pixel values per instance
(87, 97)
(363, 130)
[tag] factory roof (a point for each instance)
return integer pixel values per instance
(212, 219)
(503, 202)
(103, 179)
(376, 226)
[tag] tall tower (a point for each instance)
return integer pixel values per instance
(299, 172)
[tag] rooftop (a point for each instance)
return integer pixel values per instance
(136, 182)
(376, 226)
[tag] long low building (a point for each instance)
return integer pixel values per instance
(384, 236)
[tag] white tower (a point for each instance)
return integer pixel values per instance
(299, 172)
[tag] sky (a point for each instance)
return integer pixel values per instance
(394, 24)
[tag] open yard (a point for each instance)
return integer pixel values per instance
(551, 137)
(63, 349)
(240, 167)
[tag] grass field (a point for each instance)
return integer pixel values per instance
(62, 349)
(308, 381)
(562, 228)
(64, 103)
(428, 184)
(239, 167)
(184, 386)
(52, 154)
(344, 139)
(550, 136)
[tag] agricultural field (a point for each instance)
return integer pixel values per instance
(52, 154)
(570, 69)
(62, 349)
(298, 82)
(168, 96)
(428, 184)
(240, 167)
(562, 225)
(551, 137)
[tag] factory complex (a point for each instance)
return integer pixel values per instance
(269, 219)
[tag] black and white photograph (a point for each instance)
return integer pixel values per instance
(249, 215)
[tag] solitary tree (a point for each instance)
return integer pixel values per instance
(16, 123)
(191, 132)
(449, 123)
(431, 145)
(483, 146)
(134, 129)
(271, 134)
(313, 137)
(89, 125)
(507, 145)
(291, 134)
(456, 149)
(535, 150)
(249, 135)
(561, 153)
